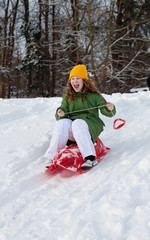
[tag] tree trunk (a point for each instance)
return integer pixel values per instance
(75, 29)
(53, 77)
(26, 20)
(3, 57)
(90, 35)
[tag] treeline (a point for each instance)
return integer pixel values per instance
(41, 40)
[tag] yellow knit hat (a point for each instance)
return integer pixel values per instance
(79, 71)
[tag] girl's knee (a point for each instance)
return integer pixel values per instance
(79, 124)
(64, 122)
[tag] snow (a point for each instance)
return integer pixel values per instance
(110, 202)
(139, 89)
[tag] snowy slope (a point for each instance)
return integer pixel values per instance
(110, 202)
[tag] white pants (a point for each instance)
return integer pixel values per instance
(76, 130)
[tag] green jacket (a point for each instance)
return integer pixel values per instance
(91, 116)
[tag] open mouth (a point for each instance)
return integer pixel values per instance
(76, 86)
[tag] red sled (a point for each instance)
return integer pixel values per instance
(71, 159)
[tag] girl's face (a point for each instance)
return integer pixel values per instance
(77, 83)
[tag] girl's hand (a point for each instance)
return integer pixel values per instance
(60, 113)
(110, 106)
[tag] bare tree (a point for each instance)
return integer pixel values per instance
(111, 37)
(129, 42)
(8, 26)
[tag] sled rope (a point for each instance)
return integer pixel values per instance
(82, 110)
(114, 124)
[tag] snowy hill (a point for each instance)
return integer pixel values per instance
(110, 202)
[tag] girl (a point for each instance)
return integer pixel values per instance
(78, 118)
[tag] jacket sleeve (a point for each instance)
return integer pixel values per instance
(64, 107)
(101, 102)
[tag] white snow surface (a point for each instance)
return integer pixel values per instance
(109, 202)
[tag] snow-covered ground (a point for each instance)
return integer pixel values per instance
(110, 202)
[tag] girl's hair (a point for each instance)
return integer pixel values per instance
(89, 86)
